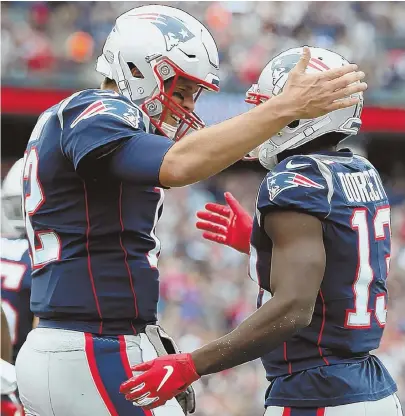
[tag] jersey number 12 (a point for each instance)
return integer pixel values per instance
(49, 245)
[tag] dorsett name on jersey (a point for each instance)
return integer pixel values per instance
(362, 186)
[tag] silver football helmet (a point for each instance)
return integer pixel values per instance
(11, 196)
(271, 83)
(162, 43)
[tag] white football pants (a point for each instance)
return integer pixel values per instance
(388, 406)
(68, 373)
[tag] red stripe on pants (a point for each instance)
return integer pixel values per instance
(91, 359)
(127, 365)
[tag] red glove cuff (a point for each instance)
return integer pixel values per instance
(189, 371)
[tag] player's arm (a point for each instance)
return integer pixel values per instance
(130, 154)
(206, 152)
(297, 269)
(6, 345)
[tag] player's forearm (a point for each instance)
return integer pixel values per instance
(209, 151)
(275, 322)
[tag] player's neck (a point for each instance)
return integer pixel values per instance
(112, 86)
(321, 149)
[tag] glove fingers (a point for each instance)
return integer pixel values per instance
(209, 226)
(142, 366)
(145, 400)
(236, 207)
(215, 238)
(218, 209)
(136, 392)
(215, 218)
(212, 228)
(133, 384)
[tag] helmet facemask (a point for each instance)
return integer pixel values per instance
(254, 97)
(161, 102)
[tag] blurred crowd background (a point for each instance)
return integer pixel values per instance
(57, 42)
(205, 289)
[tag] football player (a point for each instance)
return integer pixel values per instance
(15, 283)
(95, 168)
(319, 250)
(15, 262)
(9, 403)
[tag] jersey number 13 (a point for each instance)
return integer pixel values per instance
(360, 316)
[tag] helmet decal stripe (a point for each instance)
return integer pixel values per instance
(319, 62)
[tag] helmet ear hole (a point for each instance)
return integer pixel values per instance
(134, 70)
(294, 124)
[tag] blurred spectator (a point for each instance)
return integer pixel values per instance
(63, 39)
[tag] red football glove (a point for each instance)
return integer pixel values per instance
(164, 378)
(230, 225)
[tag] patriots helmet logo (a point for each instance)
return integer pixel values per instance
(281, 181)
(283, 65)
(173, 29)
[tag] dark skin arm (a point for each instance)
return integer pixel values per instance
(6, 345)
(298, 266)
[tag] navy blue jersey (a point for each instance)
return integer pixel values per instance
(16, 289)
(92, 236)
(345, 192)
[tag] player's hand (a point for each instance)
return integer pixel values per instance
(163, 378)
(227, 224)
(315, 94)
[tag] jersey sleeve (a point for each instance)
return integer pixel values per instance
(299, 183)
(139, 159)
(102, 121)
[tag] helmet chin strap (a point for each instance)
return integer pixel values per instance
(168, 130)
(268, 162)
(255, 153)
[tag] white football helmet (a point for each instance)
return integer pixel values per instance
(11, 198)
(271, 83)
(162, 42)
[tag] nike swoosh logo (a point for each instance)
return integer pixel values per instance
(291, 165)
(169, 371)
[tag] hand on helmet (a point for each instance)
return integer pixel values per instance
(315, 94)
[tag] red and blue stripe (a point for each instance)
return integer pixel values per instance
(109, 366)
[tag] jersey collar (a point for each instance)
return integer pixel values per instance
(344, 155)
